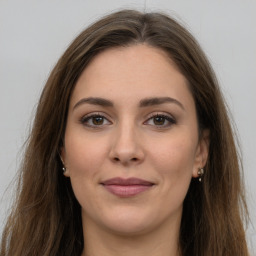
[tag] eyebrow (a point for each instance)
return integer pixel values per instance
(158, 101)
(143, 103)
(94, 101)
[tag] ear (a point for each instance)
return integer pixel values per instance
(202, 152)
(63, 160)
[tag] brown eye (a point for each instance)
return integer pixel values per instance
(98, 120)
(95, 121)
(159, 120)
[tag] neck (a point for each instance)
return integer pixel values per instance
(161, 241)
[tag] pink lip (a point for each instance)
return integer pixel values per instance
(126, 187)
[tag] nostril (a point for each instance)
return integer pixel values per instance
(134, 159)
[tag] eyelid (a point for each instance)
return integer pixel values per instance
(83, 119)
(165, 115)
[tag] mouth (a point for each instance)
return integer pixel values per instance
(126, 187)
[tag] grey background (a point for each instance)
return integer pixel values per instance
(33, 35)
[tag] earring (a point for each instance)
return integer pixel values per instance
(63, 167)
(200, 174)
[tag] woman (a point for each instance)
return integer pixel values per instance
(131, 152)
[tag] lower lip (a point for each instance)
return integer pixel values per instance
(127, 191)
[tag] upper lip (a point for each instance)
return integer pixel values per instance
(127, 182)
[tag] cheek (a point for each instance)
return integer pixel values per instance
(84, 160)
(175, 151)
(84, 154)
(174, 160)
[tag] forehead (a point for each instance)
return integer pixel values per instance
(136, 71)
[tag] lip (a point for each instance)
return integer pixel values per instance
(126, 187)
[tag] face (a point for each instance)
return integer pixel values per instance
(131, 142)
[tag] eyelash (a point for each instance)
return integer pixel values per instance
(86, 119)
(167, 118)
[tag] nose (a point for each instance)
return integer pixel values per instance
(126, 146)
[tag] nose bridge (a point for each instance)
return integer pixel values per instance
(126, 146)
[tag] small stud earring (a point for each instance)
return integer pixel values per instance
(63, 167)
(200, 174)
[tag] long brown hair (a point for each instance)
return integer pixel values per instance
(46, 217)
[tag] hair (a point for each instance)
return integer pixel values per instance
(46, 217)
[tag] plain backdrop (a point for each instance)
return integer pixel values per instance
(33, 35)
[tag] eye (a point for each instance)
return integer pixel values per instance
(160, 120)
(95, 120)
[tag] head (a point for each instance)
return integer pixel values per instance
(205, 212)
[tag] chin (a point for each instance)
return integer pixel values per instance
(129, 226)
(129, 221)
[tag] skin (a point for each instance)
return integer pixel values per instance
(128, 140)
